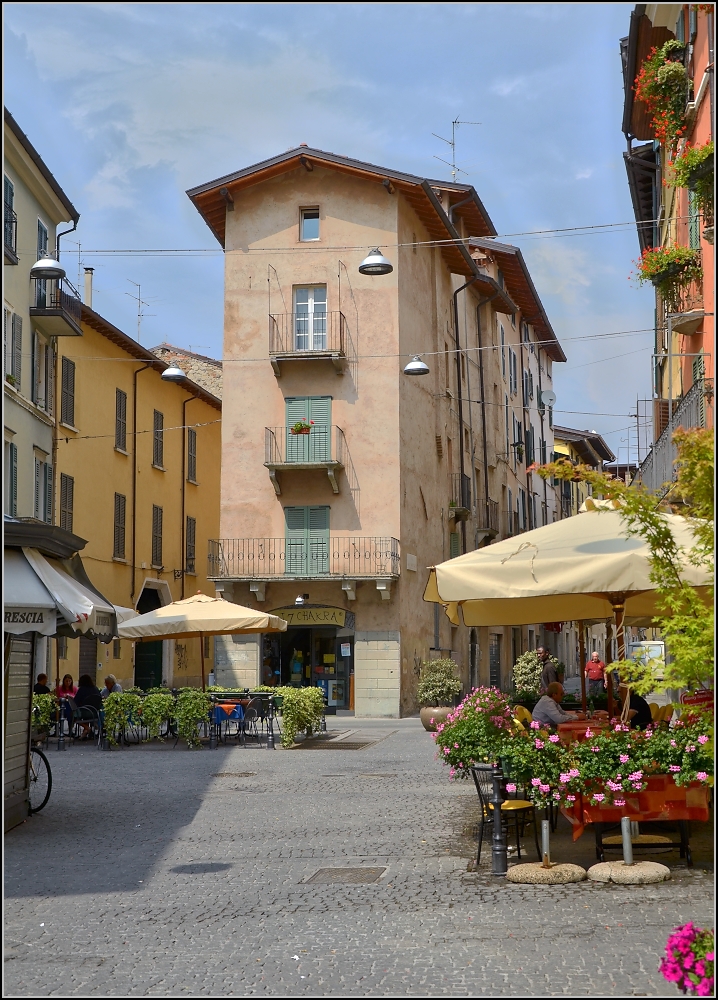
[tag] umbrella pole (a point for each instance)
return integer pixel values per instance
(582, 664)
(201, 656)
(609, 673)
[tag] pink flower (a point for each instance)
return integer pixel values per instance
(553, 738)
(705, 988)
(510, 786)
(596, 749)
(456, 746)
(563, 778)
(539, 744)
(675, 768)
(589, 734)
(703, 739)
(598, 796)
(673, 743)
(557, 796)
(702, 776)
(624, 758)
(619, 802)
(570, 798)
(535, 782)
(535, 725)
(446, 750)
(544, 788)
(574, 772)
(636, 776)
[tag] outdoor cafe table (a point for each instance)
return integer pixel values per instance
(575, 731)
(662, 801)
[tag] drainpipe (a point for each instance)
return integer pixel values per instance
(457, 341)
(541, 410)
(452, 208)
(483, 302)
(64, 233)
(134, 473)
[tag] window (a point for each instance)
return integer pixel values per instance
(190, 540)
(156, 536)
(158, 450)
(11, 480)
(14, 361)
(43, 491)
(192, 455)
(67, 401)
(309, 224)
(41, 286)
(315, 446)
(10, 219)
(503, 351)
(116, 649)
(120, 420)
(62, 646)
(506, 406)
(118, 546)
(49, 379)
(310, 318)
(694, 231)
(510, 497)
(206, 647)
(306, 534)
(67, 498)
(454, 545)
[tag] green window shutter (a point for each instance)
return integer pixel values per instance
(315, 446)
(13, 481)
(296, 532)
(318, 518)
(454, 549)
(17, 350)
(320, 411)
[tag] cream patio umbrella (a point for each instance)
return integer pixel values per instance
(199, 616)
(583, 567)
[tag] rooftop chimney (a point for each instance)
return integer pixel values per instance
(89, 271)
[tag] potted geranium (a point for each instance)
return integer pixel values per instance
(439, 684)
(689, 961)
(302, 427)
(670, 269)
(662, 85)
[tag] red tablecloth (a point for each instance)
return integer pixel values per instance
(662, 800)
(571, 732)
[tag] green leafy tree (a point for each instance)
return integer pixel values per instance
(439, 683)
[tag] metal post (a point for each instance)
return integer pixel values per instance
(60, 733)
(213, 723)
(546, 843)
(270, 724)
(499, 861)
(626, 838)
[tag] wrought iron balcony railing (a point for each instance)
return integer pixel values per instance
(306, 336)
(487, 515)
(695, 409)
(320, 557)
(57, 309)
(460, 502)
(323, 447)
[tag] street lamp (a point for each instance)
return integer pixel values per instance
(47, 267)
(375, 263)
(173, 374)
(416, 367)
(299, 600)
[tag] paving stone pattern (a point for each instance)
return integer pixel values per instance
(154, 872)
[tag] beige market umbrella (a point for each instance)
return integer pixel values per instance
(199, 616)
(583, 567)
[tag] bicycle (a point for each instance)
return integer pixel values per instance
(40, 780)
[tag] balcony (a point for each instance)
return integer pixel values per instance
(487, 516)
(695, 409)
(460, 502)
(323, 448)
(319, 558)
(310, 337)
(515, 524)
(11, 236)
(57, 310)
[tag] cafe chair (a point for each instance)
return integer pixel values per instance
(655, 709)
(253, 714)
(522, 810)
(523, 715)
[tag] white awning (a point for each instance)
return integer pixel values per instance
(83, 609)
(125, 614)
(28, 606)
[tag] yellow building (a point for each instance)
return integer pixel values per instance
(137, 475)
(586, 447)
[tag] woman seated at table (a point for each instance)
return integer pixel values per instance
(639, 712)
(88, 696)
(548, 711)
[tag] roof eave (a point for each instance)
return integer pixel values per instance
(46, 173)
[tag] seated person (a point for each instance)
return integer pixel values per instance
(111, 687)
(639, 712)
(548, 711)
(41, 685)
(67, 689)
(88, 696)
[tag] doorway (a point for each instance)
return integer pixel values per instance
(317, 657)
(495, 660)
(148, 655)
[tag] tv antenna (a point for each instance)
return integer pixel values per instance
(452, 143)
(140, 302)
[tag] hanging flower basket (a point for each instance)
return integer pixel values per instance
(670, 269)
(302, 427)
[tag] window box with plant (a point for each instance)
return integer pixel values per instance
(439, 685)
(693, 169)
(663, 86)
(302, 427)
(671, 269)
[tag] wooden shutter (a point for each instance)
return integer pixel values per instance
(192, 455)
(47, 477)
(49, 379)
(296, 531)
(320, 411)
(454, 548)
(88, 656)
(38, 487)
(41, 239)
(67, 403)
(190, 538)
(13, 481)
(158, 439)
(67, 499)
(296, 408)
(318, 521)
(156, 535)
(34, 366)
(119, 539)
(17, 350)
(120, 419)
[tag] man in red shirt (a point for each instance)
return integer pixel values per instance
(596, 675)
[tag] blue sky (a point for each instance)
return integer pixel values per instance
(131, 104)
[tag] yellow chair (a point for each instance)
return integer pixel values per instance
(523, 715)
(655, 709)
(520, 809)
(520, 727)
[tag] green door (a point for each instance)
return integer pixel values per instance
(315, 446)
(307, 540)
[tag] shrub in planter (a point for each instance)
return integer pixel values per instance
(120, 710)
(690, 960)
(44, 711)
(157, 709)
(301, 710)
(477, 732)
(192, 707)
(527, 673)
(302, 427)
(439, 682)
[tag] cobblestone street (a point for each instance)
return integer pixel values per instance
(160, 872)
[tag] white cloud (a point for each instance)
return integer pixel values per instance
(583, 175)
(505, 87)
(560, 270)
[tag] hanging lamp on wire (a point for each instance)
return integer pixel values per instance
(375, 263)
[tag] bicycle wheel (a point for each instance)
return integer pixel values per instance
(40, 780)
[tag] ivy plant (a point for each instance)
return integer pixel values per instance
(192, 708)
(157, 709)
(44, 711)
(120, 710)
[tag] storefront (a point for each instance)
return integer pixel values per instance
(317, 649)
